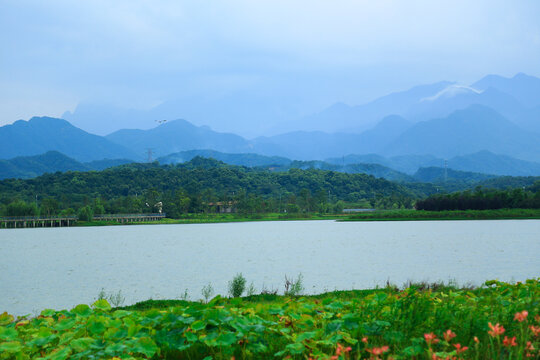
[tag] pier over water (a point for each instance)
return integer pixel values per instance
(13, 222)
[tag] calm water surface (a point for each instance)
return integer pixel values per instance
(61, 267)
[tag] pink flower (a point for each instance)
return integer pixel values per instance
(431, 338)
(496, 330)
(378, 350)
(509, 341)
(535, 329)
(521, 316)
(449, 335)
(460, 349)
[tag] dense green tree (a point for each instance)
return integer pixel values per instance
(21, 208)
(85, 213)
(49, 206)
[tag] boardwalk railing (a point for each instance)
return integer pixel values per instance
(36, 221)
(9, 222)
(123, 218)
(52, 217)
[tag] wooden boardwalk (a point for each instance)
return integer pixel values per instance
(129, 218)
(15, 222)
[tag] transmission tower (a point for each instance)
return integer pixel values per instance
(149, 154)
(445, 170)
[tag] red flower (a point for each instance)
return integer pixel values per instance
(431, 338)
(364, 339)
(496, 330)
(535, 329)
(460, 349)
(509, 341)
(340, 348)
(449, 335)
(521, 316)
(379, 350)
(476, 340)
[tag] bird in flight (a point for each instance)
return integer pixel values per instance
(160, 121)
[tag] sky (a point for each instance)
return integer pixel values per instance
(287, 58)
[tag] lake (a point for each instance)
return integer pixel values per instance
(61, 267)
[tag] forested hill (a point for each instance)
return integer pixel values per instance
(187, 187)
(25, 167)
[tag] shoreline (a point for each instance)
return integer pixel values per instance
(421, 215)
(380, 215)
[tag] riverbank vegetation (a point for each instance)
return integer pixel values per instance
(496, 321)
(206, 218)
(481, 199)
(403, 215)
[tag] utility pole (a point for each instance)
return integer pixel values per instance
(445, 170)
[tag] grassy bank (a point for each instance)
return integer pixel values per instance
(404, 215)
(222, 218)
(381, 215)
(496, 321)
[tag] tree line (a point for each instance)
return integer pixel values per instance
(481, 199)
(195, 187)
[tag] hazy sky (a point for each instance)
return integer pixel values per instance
(56, 54)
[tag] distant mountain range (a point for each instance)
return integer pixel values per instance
(462, 138)
(516, 98)
(26, 167)
(488, 127)
(41, 134)
(473, 129)
(467, 131)
(481, 162)
(178, 135)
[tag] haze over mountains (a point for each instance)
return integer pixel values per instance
(516, 98)
(491, 126)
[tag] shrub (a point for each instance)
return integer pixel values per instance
(251, 289)
(237, 285)
(294, 287)
(115, 299)
(207, 292)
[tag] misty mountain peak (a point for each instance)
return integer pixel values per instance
(452, 91)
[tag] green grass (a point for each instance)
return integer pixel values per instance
(399, 324)
(404, 215)
(221, 218)
(380, 215)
